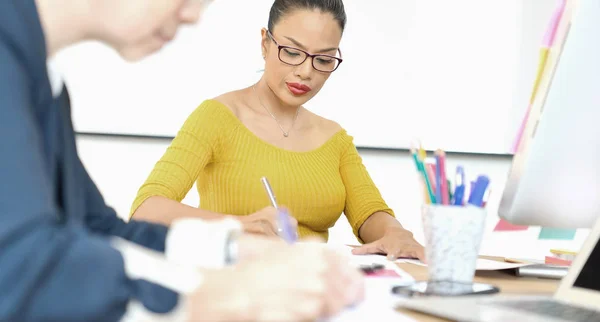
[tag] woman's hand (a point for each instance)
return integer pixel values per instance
(396, 242)
(265, 222)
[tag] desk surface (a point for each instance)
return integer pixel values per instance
(508, 284)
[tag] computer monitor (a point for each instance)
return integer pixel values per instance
(554, 180)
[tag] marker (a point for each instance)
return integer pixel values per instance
(285, 230)
(479, 189)
(459, 191)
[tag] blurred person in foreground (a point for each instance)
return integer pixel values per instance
(66, 256)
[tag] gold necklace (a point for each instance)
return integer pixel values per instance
(285, 134)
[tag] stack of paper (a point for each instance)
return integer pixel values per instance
(379, 301)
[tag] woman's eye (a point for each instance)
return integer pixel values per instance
(325, 61)
(291, 52)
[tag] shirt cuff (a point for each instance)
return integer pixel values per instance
(152, 266)
(200, 243)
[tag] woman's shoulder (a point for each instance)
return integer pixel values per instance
(230, 101)
(214, 110)
(332, 130)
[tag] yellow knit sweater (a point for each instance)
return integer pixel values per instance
(226, 160)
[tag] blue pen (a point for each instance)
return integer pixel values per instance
(478, 192)
(459, 191)
(285, 230)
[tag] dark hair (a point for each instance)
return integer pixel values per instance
(283, 7)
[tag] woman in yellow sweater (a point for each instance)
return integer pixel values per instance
(228, 143)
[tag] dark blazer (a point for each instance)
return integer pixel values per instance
(56, 263)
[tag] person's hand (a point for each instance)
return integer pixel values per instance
(301, 282)
(396, 242)
(265, 222)
(252, 246)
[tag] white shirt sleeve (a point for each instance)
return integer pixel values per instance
(153, 266)
(200, 243)
(190, 244)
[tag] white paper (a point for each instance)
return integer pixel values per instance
(379, 304)
(482, 264)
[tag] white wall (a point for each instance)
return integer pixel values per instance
(120, 165)
(457, 60)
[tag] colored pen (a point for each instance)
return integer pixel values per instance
(459, 191)
(285, 230)
(270, 193)
(428, 180)
(421, 169)
(486, 197)
(471, 188)
(431, 169)
(422, 180)
(441, 181)
(478, 192)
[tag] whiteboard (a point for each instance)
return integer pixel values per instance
(440, 71)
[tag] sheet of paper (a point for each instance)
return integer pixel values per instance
(379, 305)
(379, 301)
(482, 264)
(358, 260)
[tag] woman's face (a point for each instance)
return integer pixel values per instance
(137, 28)
(311, 31)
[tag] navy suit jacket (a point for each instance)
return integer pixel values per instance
(56, 263)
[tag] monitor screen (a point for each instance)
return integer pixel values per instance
(588, 277)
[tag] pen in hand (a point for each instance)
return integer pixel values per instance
(285, 230)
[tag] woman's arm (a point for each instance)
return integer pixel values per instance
(163, 210)
(197, 142)
(363, 200)
(372, 220)
(375, 227)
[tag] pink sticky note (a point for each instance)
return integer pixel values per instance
(504, 225)
(557, 261)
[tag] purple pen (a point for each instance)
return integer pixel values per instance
(287, 233)
(285, 230)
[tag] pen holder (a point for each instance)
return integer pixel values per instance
(452, 237)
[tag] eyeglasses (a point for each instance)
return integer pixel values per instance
(294, 57)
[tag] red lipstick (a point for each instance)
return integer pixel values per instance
(298, 89)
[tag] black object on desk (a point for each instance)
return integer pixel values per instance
(367, 269)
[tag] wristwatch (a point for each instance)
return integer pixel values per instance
(232, 247)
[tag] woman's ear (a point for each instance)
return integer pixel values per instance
(264, 43)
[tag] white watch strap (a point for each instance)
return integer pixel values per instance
(200, 243)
